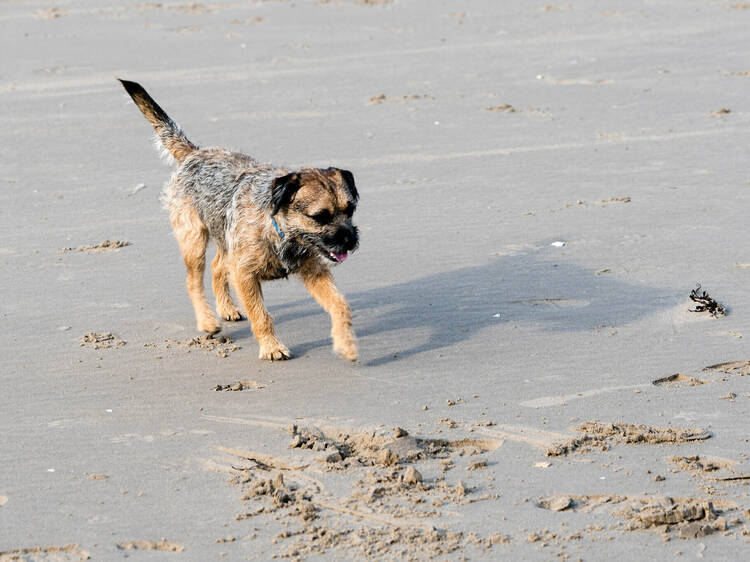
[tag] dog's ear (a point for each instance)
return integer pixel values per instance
(348, 178)
(282, 190)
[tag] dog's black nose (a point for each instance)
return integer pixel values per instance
(346, 238)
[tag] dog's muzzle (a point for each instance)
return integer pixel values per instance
(340, 244)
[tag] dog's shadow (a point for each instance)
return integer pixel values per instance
(440, 310)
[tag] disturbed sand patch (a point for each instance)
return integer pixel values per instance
(697, 463)
(610, 200)
(502, 108)
(740, 368)
(714, 468)
(100, 340)
(732, 368)
(689, 517)
(69, 552)
(720, 111)
(239, 386)
(382, 98)
(220, 346)
(600, 436)
(161, 545)
(100, 247)
(508, 108)
(676, 380)
(104, 477)
(391, 508)
(368, 448)
(375, 543)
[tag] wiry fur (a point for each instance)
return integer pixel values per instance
(232, 198)
(163, 151)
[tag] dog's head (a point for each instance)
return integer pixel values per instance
(317, 207)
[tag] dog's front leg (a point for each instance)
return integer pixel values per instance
(271, 349)
(321, 286)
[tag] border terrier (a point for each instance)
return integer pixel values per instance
(267, 223)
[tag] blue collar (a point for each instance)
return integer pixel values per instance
(276, 226)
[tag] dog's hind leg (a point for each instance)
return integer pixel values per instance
(192, 236)
(224, 304)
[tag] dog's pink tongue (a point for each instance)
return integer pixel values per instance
(340, 257)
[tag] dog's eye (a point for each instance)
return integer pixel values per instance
(349, 211)
(323, 217)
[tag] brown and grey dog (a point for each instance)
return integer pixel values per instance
(267, 224)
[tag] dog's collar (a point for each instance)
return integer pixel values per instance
(276, 226)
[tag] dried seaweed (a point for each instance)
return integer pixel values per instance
(705, 303)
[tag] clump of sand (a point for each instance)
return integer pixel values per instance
(690, 517)
(162, 545)
(100, 247)
(100, 340)
(239, 386)
(740, 368)
(67, 552)
(375, 543)
(697, 463)
(376, 100)
(596, 435)
(675, 380)
(502, 108)
(371, 449)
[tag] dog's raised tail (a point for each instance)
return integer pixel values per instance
(168, 132)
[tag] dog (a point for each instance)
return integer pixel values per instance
(267, 223)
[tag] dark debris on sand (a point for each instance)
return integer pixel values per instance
(705, 303)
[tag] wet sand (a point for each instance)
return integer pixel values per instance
(542, 187)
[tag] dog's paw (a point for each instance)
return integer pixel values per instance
(209, 325)
(347, 350)
(344, 343)
(231, 314)
(276, 351)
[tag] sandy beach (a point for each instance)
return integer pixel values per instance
(541, 188)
